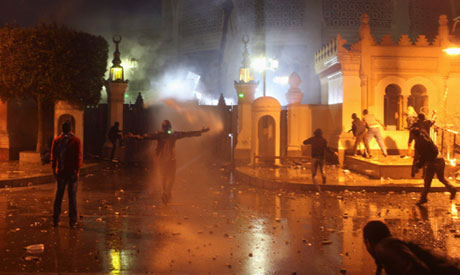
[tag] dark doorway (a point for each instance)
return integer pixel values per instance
(266, 136)
(392, 106)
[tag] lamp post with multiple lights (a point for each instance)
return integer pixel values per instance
(262, 64)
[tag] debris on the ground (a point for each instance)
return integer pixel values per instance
(35, 248)
(32, 258)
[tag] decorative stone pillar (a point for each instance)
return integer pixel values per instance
(4, 138)
(245, 93)
(298, 120)
(366, 41)
(115, 100)
(265, 129)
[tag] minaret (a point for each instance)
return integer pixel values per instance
(116, 87)
(245, 89)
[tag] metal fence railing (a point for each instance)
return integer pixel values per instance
(448, 142)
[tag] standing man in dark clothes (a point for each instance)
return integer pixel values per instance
(165, 154)
(114, 136)
(398, 257)
(426, 157)
(359, 131)
(66, 163)
(318, 149)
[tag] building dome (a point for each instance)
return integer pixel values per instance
(266, 103)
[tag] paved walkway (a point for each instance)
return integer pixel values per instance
(15, 174)
(338, 179)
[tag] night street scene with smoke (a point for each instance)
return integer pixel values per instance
(229, 137)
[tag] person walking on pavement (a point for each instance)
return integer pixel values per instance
(165, 154)
(359, 131)
(373, 131)
(114, 136)
(398, 257)
(318, 149)
(426, 157)
(66, 163)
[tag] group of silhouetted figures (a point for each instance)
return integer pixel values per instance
(426, 153)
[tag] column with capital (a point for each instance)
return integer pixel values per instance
(299, 122)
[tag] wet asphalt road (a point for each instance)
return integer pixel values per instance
(211, 225)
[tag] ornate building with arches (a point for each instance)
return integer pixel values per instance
(386, 77)
(204, 35)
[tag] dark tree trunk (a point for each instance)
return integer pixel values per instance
(40, 121)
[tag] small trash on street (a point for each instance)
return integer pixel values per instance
(32, 258)
(35, 248)
(326, 242)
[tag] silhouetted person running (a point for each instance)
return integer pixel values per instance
(318, 149)
(165, 154)
(115, 137)
(398, 257)
(426, 157)
(66, 162)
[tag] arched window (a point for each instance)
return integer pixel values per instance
(418, 99)
(392, 107)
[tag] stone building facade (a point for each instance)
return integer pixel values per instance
(204, 35)
(386, 77)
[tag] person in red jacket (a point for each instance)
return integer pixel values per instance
(66, 163)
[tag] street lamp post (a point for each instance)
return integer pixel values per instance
(265, 81)
(262, 64)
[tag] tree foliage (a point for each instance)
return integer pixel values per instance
(51, 62)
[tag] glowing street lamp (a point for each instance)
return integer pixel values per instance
(262, 64)
(116, 71)
(452, 50)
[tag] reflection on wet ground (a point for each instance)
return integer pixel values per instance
(335, 176)
(211, 225)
